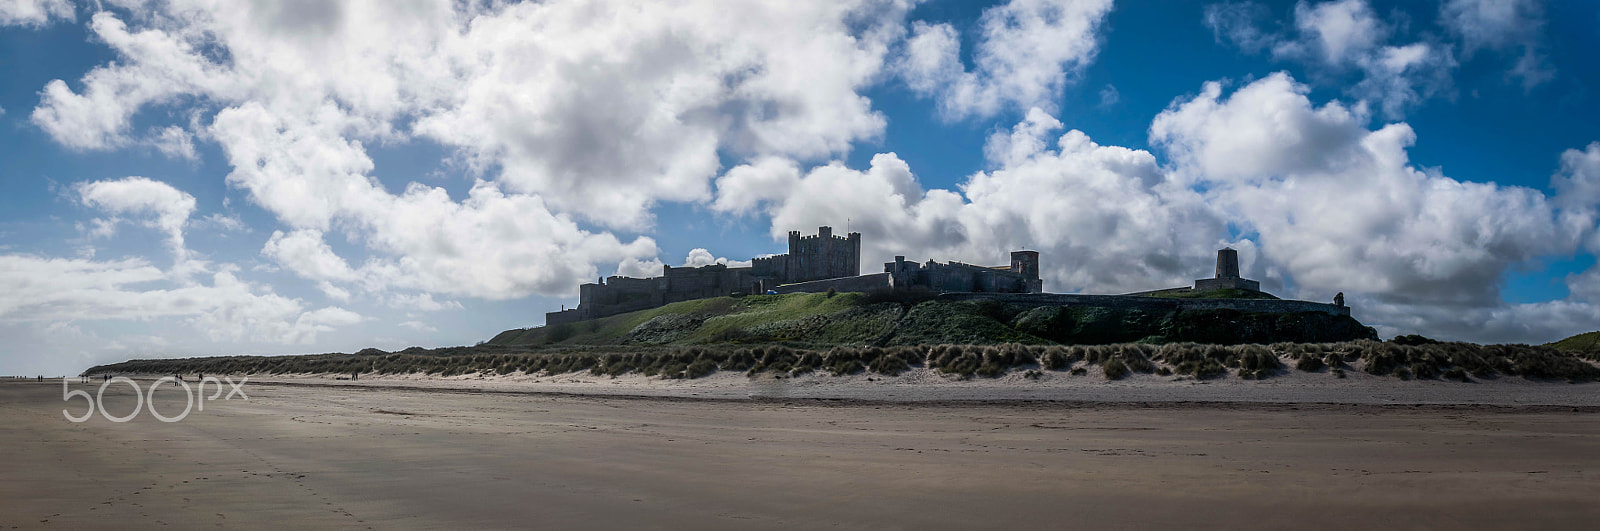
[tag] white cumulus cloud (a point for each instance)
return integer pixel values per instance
(175, 142)
(1027, 51)
(1342, 31)
(45, 293)
(418, 326)
(305, 253)
(1501, 25)
(1103, 218)
(55, 290)
(569, 114)
(421, 302)
(1340, 207)
(1340, 36)
(133, 196)
(1578, 181)
(489, 245)
(1315, 200)
(701, 257)
(34, 13)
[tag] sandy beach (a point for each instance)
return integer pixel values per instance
(300, 453)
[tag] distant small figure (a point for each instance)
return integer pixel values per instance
(354, 374)
(1338, 299)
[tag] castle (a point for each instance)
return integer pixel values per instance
(813, 264)
(826, 262)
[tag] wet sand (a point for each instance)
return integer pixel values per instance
(385, 457)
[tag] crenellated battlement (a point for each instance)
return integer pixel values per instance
(1021, 276)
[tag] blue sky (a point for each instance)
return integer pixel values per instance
(180, 179)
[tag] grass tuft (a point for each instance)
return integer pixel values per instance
(1116, 370)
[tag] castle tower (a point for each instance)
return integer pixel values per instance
(819, 257)
(822, 264)
(852, 259)
(1227, 263)
(1026, 263)
(1227, 274)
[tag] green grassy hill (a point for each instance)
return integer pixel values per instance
(817, 319)
(1587, 344)
(804, 317)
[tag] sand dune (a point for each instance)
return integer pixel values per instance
(924, 385)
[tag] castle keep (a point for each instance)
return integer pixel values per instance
(811, 258)
(813, 264)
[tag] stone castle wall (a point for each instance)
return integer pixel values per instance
(1209, 284)
(1022, 276)
(859, 283)
(1127, 302)
(810, 258)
